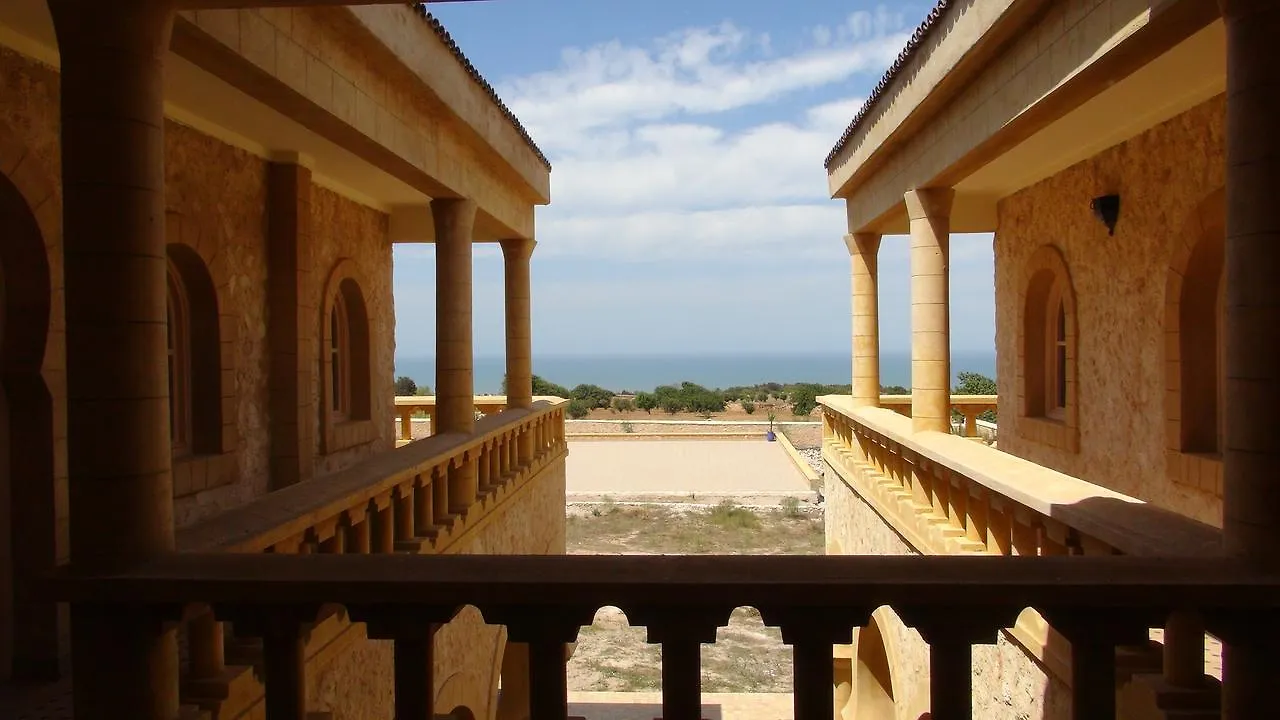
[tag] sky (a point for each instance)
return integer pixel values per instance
(690, 211)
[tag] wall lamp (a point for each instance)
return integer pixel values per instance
(1107, 209)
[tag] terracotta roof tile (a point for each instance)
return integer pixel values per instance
(917, 39)
(450, 43)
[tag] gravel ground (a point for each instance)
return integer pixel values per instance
(813, 456)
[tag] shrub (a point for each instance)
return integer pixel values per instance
(646, 401)
(731, 517)
(672, 405)
(791, 508)
(762, 396)
(621, 405)
(578, 409)
(627, 427)
(748, 407)
(803, 400)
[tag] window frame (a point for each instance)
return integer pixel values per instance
(1048, 341)
(179, 351)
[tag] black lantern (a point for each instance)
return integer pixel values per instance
(1107, 209)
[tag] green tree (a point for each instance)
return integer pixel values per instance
(972, 383)
(748, 407)
(672, 404)
(406, 386)
(804, 398)
(894, 390)
(578, 409)
(594, 395)
(646, 401)
(423, 391)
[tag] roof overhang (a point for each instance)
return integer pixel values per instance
(1038, 102)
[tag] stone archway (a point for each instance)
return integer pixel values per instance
(28, 627)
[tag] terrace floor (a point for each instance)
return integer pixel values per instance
(679, 468)
(647, 706)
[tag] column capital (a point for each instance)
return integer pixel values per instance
(929, 203)
(522, 248)
(862, 243)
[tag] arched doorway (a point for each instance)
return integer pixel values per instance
(28, 628)
(873, 679)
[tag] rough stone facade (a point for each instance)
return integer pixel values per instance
(1007, 682)
(1163, 177)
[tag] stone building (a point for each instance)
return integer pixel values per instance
(197, 214)
(1124, 153)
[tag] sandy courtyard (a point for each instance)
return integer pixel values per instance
(675, 467)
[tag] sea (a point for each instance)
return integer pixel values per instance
(645, 372)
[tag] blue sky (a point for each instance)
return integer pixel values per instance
(689, 203)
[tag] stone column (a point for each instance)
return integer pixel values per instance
(515, 255)
(120, 482)
(291, 323)
(864, 249)
(455, 391)
(930, 213)
(1251, 499)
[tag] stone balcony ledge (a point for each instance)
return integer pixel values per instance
(1127, 524)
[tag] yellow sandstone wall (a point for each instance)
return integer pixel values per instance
(1162, 176)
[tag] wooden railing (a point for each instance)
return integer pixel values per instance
(954, 602)
(408, 407)
(400, 501)
(968, 406)
(948, 496)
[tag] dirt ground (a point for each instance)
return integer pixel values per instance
(747, 655)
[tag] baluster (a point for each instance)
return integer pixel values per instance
(208, 653)
(971, 422)
(337, 543)
(384, 539)
(484, 479)
(440, 495)
(999, 527)
(812, 636)
(406, 423)
(496, 473)
(976, 528)
(1051, 536)
(939, 487)
(681, 632)
(547, 631)
(359, 540)
(1093, 635)
(283, 655)
(951, 634)
(423, 513)
(412, 632)
(402, 500)
(505, 457)
(1184, 649)
(1023, 535)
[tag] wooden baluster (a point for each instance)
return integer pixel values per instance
(423, 514)
(283, 655)
(547, 631)
(681, 631)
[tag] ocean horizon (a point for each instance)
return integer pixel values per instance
(645, 372)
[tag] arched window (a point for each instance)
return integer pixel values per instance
(346, 363)
(1195, 348)
(1047, 368)
(195, 351)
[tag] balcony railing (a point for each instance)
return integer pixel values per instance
(968, 406)
(948, 496)
(401, 501)
(408, 407)
(954, 602)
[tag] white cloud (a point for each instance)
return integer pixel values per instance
(692, 71)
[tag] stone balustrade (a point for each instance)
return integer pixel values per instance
(409, 406)
(394, 502)
(946, 495)
(954, 602)
(968, 406)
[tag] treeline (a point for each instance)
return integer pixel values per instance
(801, 398)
